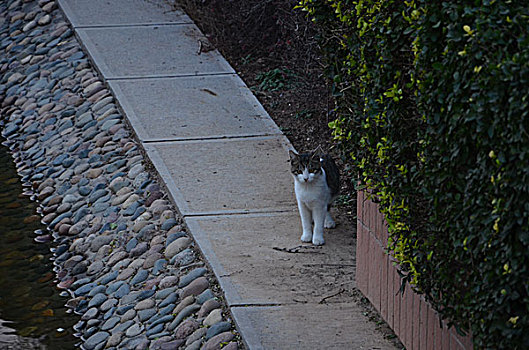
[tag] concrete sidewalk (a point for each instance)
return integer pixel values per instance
(225, 165)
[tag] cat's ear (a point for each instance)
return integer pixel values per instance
(293, 155)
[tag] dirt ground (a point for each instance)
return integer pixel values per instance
(275, 50)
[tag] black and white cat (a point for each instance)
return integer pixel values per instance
(316, 183)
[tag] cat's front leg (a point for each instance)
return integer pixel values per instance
(329, 222)
(318, 214)
(306, 222)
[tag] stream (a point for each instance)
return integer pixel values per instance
(32, 311)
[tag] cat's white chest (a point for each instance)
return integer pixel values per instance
(314, 193)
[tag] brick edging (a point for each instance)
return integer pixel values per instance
(412, 319)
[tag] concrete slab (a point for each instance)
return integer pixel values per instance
(93, 13)
(308, 326)
(226, 176)
(259, 259)
(151, 51)
(192, 107)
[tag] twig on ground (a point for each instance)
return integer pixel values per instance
(300, 301)
(204, 46)
(334, 265)
(231, 273)
(323, 301)
(301, 249)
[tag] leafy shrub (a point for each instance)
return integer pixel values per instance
(432, 99)
(275, 79)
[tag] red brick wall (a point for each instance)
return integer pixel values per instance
(412, 319)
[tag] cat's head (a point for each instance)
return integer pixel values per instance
(306, 167)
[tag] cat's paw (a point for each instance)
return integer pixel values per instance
(329, 223)
(306, 237)
(318, 241)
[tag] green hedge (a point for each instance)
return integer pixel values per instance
(432, 99)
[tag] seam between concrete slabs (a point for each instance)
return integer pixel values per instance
(131, 25)
(106, 71)
(205, 138)
(268, 127)
(280, 137)
(168, 76)
(253, 213)
(162, 76)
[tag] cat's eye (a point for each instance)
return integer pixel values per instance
(314, 166)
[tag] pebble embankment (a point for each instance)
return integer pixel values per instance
(122, 253)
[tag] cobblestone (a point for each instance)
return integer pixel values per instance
(74, 149)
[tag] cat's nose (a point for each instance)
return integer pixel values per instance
(306, 179)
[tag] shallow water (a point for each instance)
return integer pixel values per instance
(32, 313)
